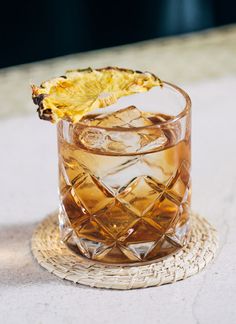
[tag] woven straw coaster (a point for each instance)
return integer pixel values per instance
(58, 259)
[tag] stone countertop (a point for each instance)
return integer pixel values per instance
(28, 293)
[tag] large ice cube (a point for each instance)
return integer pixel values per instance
(126, 117)
(118, 141)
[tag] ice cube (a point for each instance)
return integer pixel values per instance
(118, 141)
(127, 117)
(91, 138)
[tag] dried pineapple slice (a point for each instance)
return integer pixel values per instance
(78, 92)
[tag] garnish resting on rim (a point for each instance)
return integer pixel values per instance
(78, 92)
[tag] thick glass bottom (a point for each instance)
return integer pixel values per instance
(112, 251)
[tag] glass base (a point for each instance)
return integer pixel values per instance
(120, 253)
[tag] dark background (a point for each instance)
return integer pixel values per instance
(36, 30)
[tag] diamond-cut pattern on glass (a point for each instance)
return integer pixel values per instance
(139, 220)
(142, 231)
(92, 249)
(91, 230)
(91, 193)
(138, 196)
(117, 221)
(141, 250)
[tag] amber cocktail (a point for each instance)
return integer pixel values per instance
(124, 178)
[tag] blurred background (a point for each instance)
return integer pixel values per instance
(203, 63)
(32, 31)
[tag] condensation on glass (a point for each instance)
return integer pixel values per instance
(124, 178)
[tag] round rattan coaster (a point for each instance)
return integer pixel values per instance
(58, 259)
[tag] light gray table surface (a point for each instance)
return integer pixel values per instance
(28, 177)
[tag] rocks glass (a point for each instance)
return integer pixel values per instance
(124, 178)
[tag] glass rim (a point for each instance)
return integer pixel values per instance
(186, 109)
